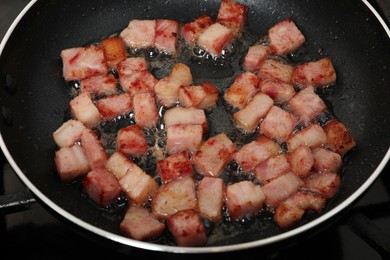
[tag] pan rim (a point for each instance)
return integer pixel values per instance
(175, 249)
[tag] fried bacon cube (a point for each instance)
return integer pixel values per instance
(131, 141)
(174, 196)
(244, 87)
(280, 92)
(233, 15)
(118, 164)
(276, 70)
(281, 188)
(252, 154)
(83, 109)
(184, 137)
(71, 163)
(214, 154)
(100, 85)
(138, 223)
(285, 37)
(339, 138)
(255, 57)
(138, 185)
(94, 150)
(301, 160)
(68, 133)
(175, 166)
(278, 124)
(215, 38)
(312, 136)
(210, 198)
(166, 35)
(244, 199)
(272, 168)
(115, 105)
(82, 62)
(101, 186)
(145, 110)
(318, 73)
(306, 105)
(114, 49)
(257, 108)
(139, 33)
(187, 228)
(191, 30)
(202, 96)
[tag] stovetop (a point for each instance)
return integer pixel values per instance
(31, 230)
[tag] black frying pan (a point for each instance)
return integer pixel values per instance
(34, 99)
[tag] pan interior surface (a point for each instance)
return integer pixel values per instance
(36, 103)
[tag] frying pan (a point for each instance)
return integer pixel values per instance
(34, 99)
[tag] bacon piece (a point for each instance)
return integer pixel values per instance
(252, 154)
(104, 85)
(326, 160)
(101, 186)
(185, 116)
(167, 89)
(145, 110)
(272, 168)
(214, 155)
(167, 92)
(318, 73)
(68, 133)
(278, 124)
(187, 228)
(339, 138)
(255, 57)
(166, 35)
(191, 31)
(118, 164)
(280, 92)
(138, 82)
(242, 90)
(244, 199)
(83, 109)
(232, 15)
(257, 108)
(114, 51)
(138, 223)
(285, 37)
(324, 183)
(113, 106)
(281, 188)
(138, 185)
(184, 138)
(291, 210)
(276, 70)
(131, 141)
(132, 64)
(174, 196)
(181, 74)
(311, 136)
(202, 96)
(210, 198)
(82, 62)
(139, 33)
(71, 163)
(175, 166)
(307, 105)
(301, 160)
(96, 155)
(215, 38)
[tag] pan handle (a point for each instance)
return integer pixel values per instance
(16, 201)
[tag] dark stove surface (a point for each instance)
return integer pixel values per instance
(35, 233)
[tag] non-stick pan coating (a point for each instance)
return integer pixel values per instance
(34, 100)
